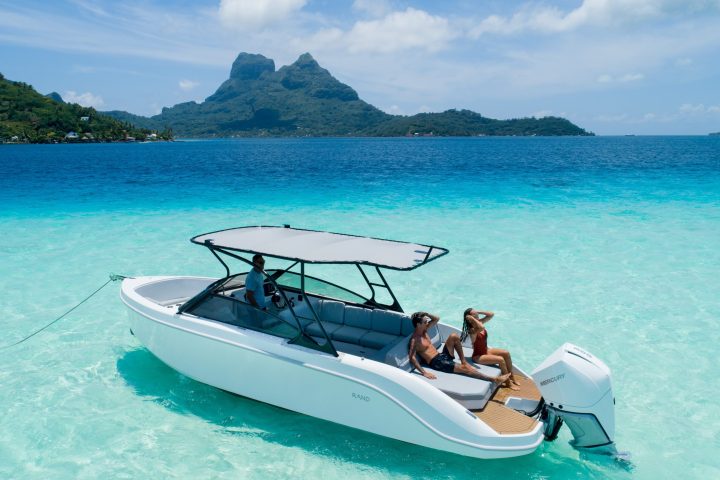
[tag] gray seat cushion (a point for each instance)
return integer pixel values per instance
(435, 337)
(349, 334)
(490, 370)
(397, 354)
(314, 329)
(358, 317)
(378, 340)
(406, 327)
(387, 322)
(331, 311)
(472, 393)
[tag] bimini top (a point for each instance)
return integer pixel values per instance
(311, 246)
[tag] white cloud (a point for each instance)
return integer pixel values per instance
(187, 85)
(628, 77)
(176, 36)
(631, 77)
(682, 62)
(256, 14)
(686, 113)
(86, 99)
(375, 8)
(397, 31)
(90, 7)
(698, 109)
(602, 13)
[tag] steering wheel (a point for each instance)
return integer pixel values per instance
(278, 300)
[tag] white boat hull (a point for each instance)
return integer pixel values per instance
(347, 390)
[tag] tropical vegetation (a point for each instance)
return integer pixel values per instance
(26, 116)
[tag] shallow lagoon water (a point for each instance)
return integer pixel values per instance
(610, 243)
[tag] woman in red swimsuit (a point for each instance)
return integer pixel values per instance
(474, 327)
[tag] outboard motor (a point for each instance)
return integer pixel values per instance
(577, 391)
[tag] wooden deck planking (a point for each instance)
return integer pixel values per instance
(505, 420)
(527, 390)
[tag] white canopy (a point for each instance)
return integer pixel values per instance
(321, 247)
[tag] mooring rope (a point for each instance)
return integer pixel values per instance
(113, 278)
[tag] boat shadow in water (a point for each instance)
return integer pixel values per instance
(243, 417)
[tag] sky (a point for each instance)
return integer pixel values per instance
(614, 67)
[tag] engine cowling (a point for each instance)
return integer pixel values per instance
(577, 390)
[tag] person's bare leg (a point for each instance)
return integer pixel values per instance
(508, 361)
(466, 369)
(454, 345)
(500, 362)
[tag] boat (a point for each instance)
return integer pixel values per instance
(331, 352)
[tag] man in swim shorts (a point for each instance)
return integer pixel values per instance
(421, 344)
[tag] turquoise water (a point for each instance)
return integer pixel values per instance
(610, 243)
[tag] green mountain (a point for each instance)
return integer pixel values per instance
(55, 96)
(297, 100)
(304, 99)
(462, 123)
(28, 116)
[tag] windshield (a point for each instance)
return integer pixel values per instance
(318, 287)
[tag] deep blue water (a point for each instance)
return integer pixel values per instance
(383, 171)
(612, 243)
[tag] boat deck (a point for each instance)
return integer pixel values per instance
(528, 389)
(505, 420)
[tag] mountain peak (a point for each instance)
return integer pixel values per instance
(250, 66)
(303, 99)
(55, 96)
(306, 61)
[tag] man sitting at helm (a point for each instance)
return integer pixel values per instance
(421, 344)
(254, 292)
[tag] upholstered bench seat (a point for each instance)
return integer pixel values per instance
(349, 334)
(372, 329)
(314, 329)
(378, 340)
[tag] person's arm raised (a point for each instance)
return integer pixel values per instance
(475, 323)
(434, 319)
(487, 316)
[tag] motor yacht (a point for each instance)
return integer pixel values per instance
(325, 350)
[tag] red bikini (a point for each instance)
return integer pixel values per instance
(480, 345)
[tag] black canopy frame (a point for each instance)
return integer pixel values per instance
(303, 338)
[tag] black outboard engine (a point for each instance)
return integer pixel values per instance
(577, 391)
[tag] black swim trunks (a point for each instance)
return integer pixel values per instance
(443, 362)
